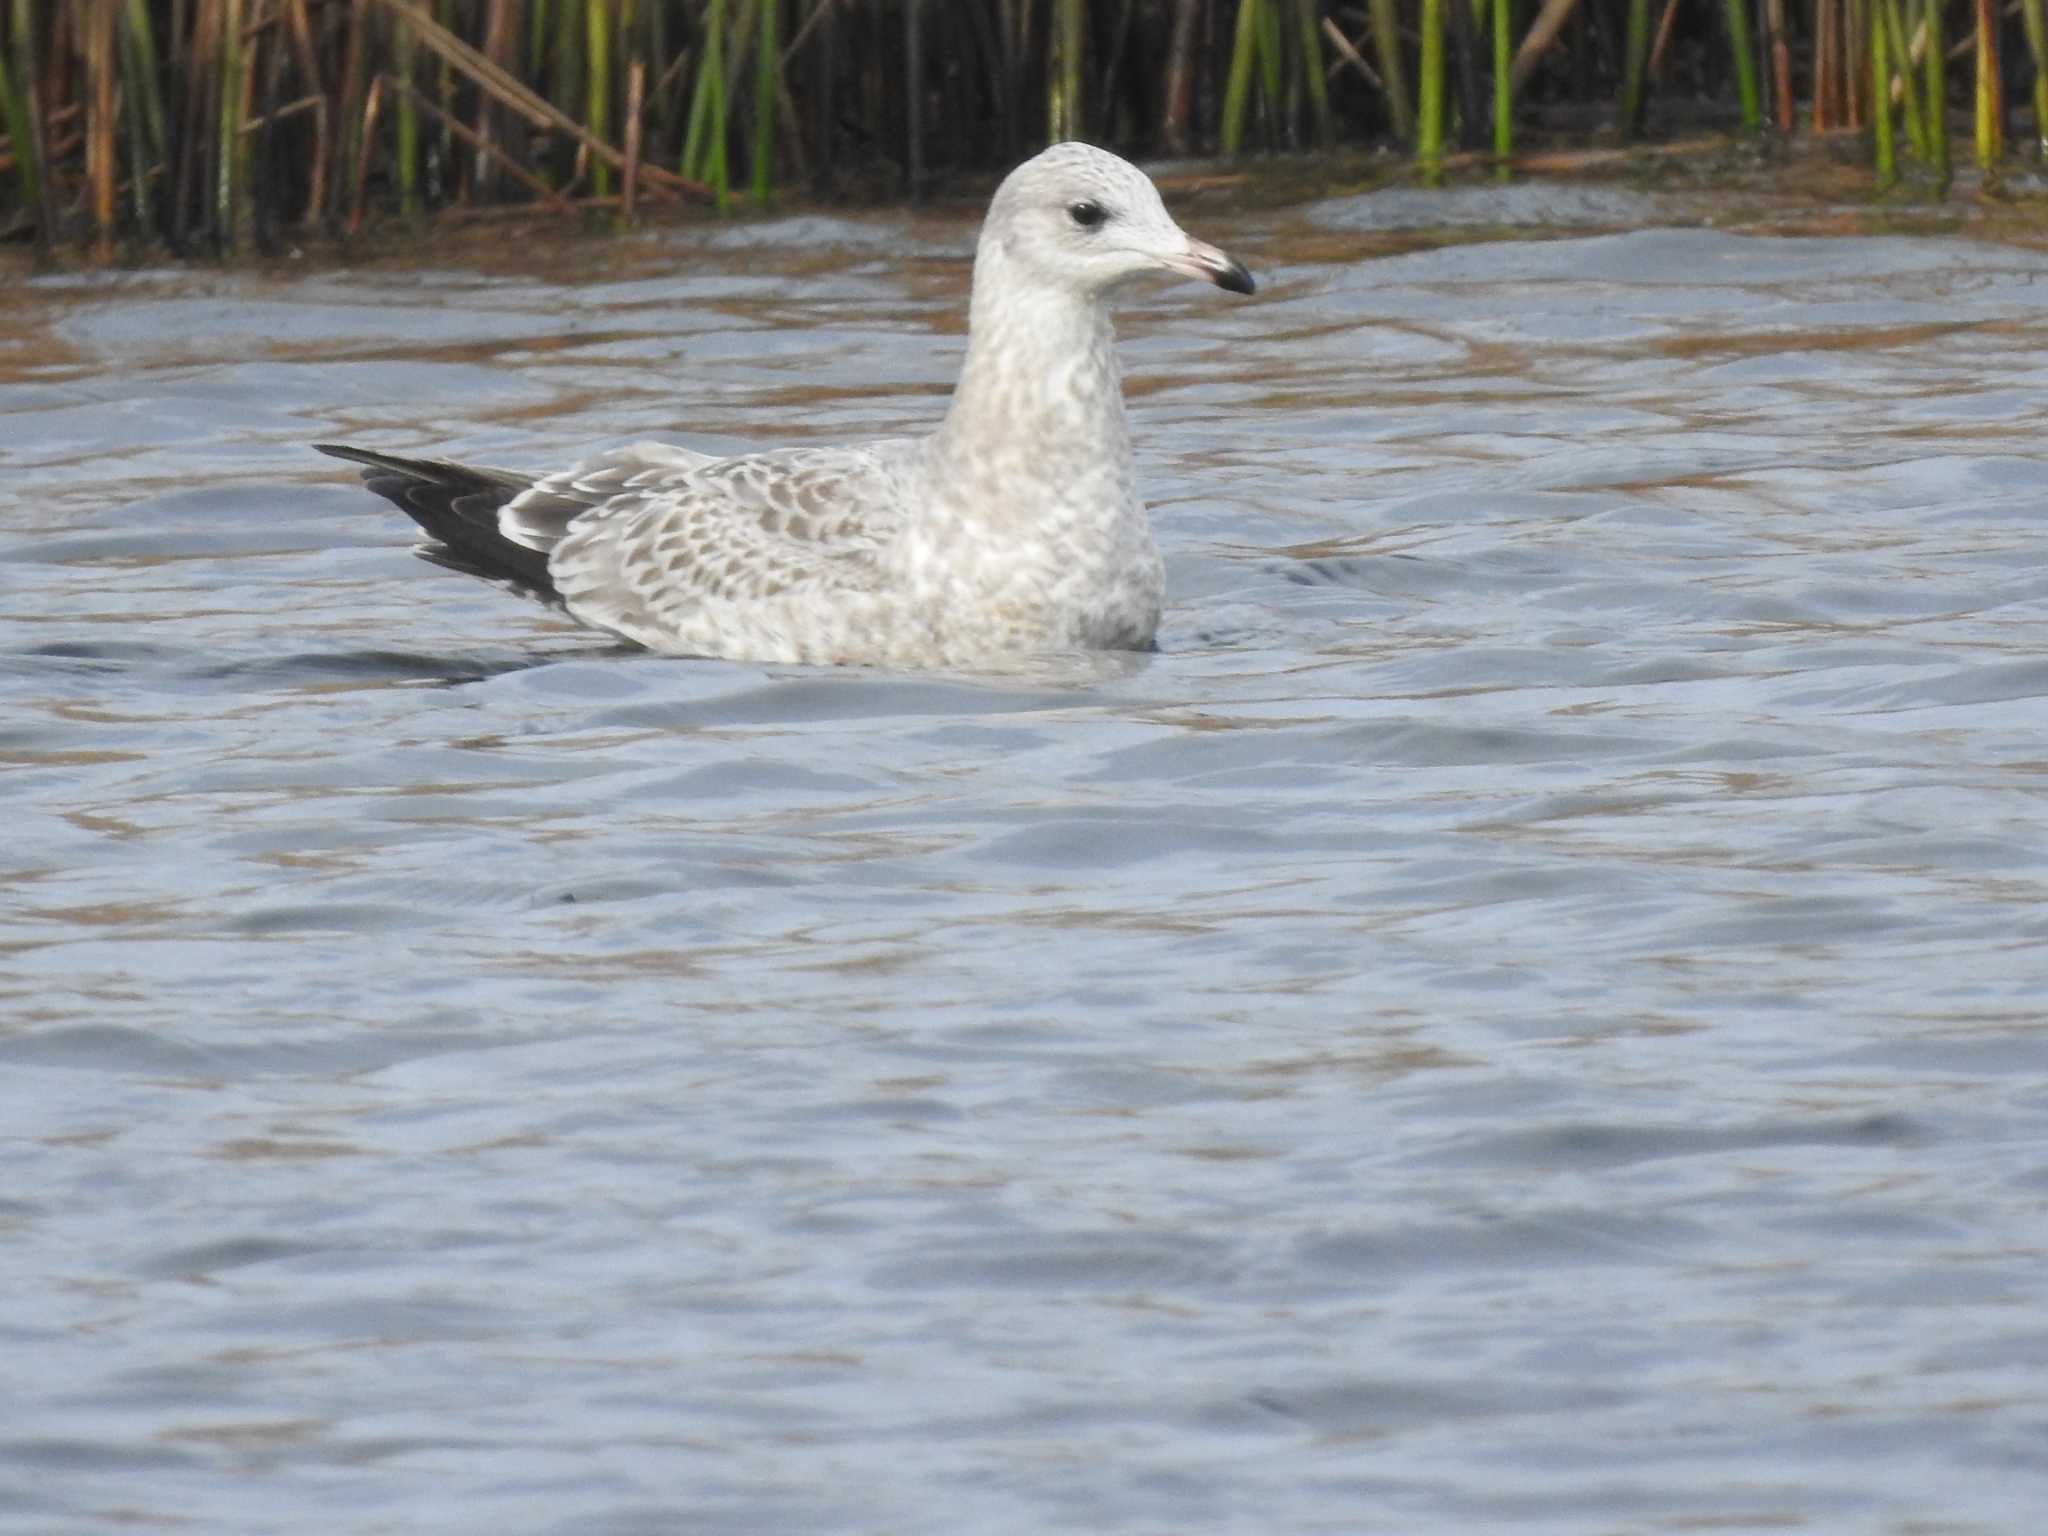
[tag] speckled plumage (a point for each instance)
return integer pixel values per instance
(1014, 528)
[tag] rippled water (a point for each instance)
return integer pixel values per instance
(1526, 1015)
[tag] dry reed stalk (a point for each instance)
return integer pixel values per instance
(210, 120)
(462, 131)
(1826, 18)
(629, 176)
(497, 44)
(1990, 91)
(317, 170)
(1662, 46)
(1347, 53)
(518, 96)
(282, 113)
(98, 50)
(1543, 31)
(369, 127)
(1781, 65)
(350, 109)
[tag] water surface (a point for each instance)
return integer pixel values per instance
(1525, 1015)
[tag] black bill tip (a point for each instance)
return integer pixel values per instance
(1232, 277)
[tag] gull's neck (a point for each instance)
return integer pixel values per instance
(1040, 376)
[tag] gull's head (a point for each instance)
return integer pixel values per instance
(1079, 218)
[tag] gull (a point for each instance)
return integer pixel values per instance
(1015, 528)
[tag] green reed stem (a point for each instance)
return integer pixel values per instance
(228, 179)
(1503, 88)
(139, 71)
(703, 157)
(1900, 50)
(1429, 129)
(597, 57)
(1989, 93)
(566, 82)
(1743, 51)
(16, 107)
(2034, 17)
(1269, 56)
(407, 117)
(1238, 85)
(1935, 101)
(767, 93)
(537, 34)
(1386, 44)
(1063, 79)
(1310, 35)
(1635, 65)
(1884, 152)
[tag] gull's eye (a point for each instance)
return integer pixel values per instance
(1087, 214)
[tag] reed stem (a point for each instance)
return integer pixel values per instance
(222, 121)
(1935, 100)
(1989, 95)
(1429, 129)
(703, 155)
(1069, 42)
(1905, 80)
(597, 60)
(1884, 154)
(767, 93)
(2034, 19)
(1308, 33)
(1742, 51)
(1386, 44)
(1503, 89)
(18, 107)
(227, 210)
(1237, 92)
(1635, 65)
(406, 116)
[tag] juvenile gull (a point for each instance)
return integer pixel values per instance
(1015, 527)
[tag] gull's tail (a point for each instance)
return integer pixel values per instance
(457, 506)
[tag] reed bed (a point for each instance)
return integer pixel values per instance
(219, 125)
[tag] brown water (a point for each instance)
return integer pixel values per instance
(1526, 1015)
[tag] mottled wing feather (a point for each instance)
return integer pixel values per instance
(657, 555)
(539, 517)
